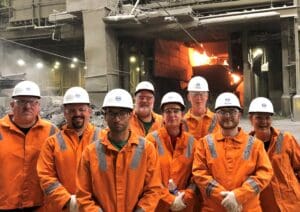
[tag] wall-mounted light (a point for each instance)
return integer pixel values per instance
(132, 59)
(72, 65)
(75, 59)
(257, 52)
(39, 65)
(21, 62)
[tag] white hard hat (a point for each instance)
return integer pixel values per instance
(198, 84)
(261, 105)
(172, 97)
(76, 95)
(144, 85)
(26, 88)
(118, 98)
(227, 99)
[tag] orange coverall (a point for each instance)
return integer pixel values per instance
(239, 164)
(175, 164)
(57, 164)
(19, 183)
(137, 126)
(114, 181)
(284, 190)
(200, 127)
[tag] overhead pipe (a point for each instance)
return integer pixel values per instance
(240, 17)
(133, 9)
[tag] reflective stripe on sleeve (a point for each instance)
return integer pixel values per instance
(52, 187)
(211, 146)
(211, 185)
(61, 141)
(100, 150)
(138, 153)
(253, 184)
(249, 145)
(159, 143)
(189, 147)
(52, 130)
(279, 142)
(1, 137)
(212, 124)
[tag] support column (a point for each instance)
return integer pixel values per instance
(296, 98)
(286, 66)
(101, 55)
(247, 73)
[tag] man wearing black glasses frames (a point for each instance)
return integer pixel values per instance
(120, 171)
(230, 167)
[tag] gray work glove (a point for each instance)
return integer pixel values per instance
(178, 203)
(230, 202)
(73, 204)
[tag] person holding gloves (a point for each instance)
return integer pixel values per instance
(230, 167)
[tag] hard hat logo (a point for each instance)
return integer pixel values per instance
(118, 98)
(198, 85)
(264, 105)
(227, 101)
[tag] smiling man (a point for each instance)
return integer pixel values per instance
(230, 167)
(283, 193)
(22, 134)
(61, 152)
(144, 119)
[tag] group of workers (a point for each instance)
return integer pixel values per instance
(194, 161)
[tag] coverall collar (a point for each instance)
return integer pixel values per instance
(239, 138)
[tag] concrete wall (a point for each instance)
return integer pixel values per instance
(79, 5)
(35, 9)
(101, 53)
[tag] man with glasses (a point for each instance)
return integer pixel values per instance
(199, 120)
(175, 148)
(120, 171)
(144, 119)
(61, 153)
(22, 133)
(230, 167)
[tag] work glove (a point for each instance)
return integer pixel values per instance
(73, 204)
(230, 202)
(178, 203)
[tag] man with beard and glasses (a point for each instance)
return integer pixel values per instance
(144, 119)
(283, 193)
(199, 120)
(120, 171)
(61, 152)
(22, 134)
(230, 167)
